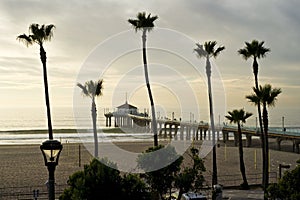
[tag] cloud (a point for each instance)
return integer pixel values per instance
(81, 25)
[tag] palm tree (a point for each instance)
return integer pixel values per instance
(207, 51)
(145, 24)
(93, 89)
(40, 34)
(265, 96)
(238, 117)
(256, 50)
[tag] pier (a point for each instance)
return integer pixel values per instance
(180, 130)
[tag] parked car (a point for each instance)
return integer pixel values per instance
(193, 196)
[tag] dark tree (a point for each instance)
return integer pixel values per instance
(256, 50)
(145, 24)
(93, 89)
(207, 51)
(38, 35)
(265, 96)
(238, 117)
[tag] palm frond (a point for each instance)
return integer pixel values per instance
(27, 40)
(253, 98)
(200, 50)
(99, 88)
(91, 87)
(245, 54)
(49, 32)
(34, 29)
(84, 89)
(217, 52)
(134, 24)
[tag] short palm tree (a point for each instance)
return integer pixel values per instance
(265, 96)
(256, 50)
(207, 51)
(93, 89)
(238, 117)
(145, 24)
(38, 35)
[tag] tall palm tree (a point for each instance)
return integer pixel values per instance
(238, 117)
(207, 51)
(93, 89)
(265, 96)
(256, 50)
(145, 24)
(38, 35)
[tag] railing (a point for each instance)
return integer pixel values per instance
(234, 180)
(26, 193)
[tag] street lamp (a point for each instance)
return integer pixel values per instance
(51, 150)
(282, 166)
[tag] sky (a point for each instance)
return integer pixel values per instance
(83, 28)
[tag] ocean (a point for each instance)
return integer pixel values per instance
(29, 126)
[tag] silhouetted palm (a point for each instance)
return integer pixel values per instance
(38, 35)
(256, 50)
(238, 117)
(207, 51)
(93, 89)
(265, 96)
(145, 24)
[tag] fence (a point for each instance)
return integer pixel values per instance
(27, 193)
(234, 180)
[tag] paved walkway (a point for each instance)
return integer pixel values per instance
(234, 194)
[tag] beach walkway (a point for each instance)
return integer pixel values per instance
(234, 194)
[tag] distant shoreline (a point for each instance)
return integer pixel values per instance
(62, 130)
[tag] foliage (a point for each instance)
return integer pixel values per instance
(266, 95)
(103, 181)
(161, 181)
(287, 187)
(143, 22)
(208, 49)
(254, 49)
(134, 188)
(37, 34)
(164, 180)
(191, 178)
(92, 88)
(238, 116)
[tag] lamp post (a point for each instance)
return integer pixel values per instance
(282, 166)
(51, 150)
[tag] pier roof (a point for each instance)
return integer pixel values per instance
(126, 105)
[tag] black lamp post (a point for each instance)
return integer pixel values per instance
(284, 167)
(51, 150)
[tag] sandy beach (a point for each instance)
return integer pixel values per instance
(22, 166)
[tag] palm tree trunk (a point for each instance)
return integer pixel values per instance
(266, 125)
(44, 59)
(262, 136)
(241, 155)
(94, 118)
(154, 124)
(212, 124)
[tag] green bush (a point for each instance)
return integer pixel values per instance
(288, 186)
